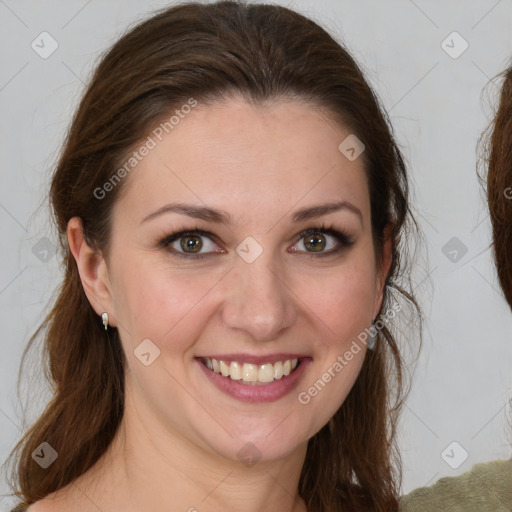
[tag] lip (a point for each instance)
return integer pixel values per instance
(270, 392)
(254, 359)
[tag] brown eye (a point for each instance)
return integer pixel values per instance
(191, 243)
(323, 241)
(315, 243)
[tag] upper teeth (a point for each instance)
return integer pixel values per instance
(248, 372)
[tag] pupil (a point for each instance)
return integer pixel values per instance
(191, 242)
(317, 242)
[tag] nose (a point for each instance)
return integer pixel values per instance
(260, 302)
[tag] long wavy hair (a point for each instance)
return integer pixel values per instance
(212, 52)
(498, 182)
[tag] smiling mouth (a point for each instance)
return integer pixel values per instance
(252, 374)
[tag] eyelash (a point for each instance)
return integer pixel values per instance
(344, 240)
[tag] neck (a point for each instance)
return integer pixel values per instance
(150, 468)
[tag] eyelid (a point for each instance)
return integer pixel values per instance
(340, 235)
(169, 239)
(344, 241)
(184, 232)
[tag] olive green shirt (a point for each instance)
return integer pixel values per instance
(485, 488)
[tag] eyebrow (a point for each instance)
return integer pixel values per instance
(222, 217)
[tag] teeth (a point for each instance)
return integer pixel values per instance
(248, 372)
(235, 371)
(278, 370)
(224, 368)
(266, 373)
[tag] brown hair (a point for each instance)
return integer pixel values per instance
(210, 52)
(499, 186)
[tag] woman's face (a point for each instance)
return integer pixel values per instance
(245, 285)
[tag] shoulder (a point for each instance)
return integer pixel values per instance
(486, 487)
(55, 502)
(39, 506)
(43, 505)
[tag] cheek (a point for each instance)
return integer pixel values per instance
(341, 300)
(341, 304)
(156, 301)
(170, 306)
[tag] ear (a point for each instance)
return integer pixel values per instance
(93, 270)
(384, 266)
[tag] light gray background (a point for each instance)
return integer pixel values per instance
(462, 381)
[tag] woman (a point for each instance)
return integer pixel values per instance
(231, 203)
(486, 487)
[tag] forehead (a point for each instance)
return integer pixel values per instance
(248, 160)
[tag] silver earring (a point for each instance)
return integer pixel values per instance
(373, 336)
(104, 319)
